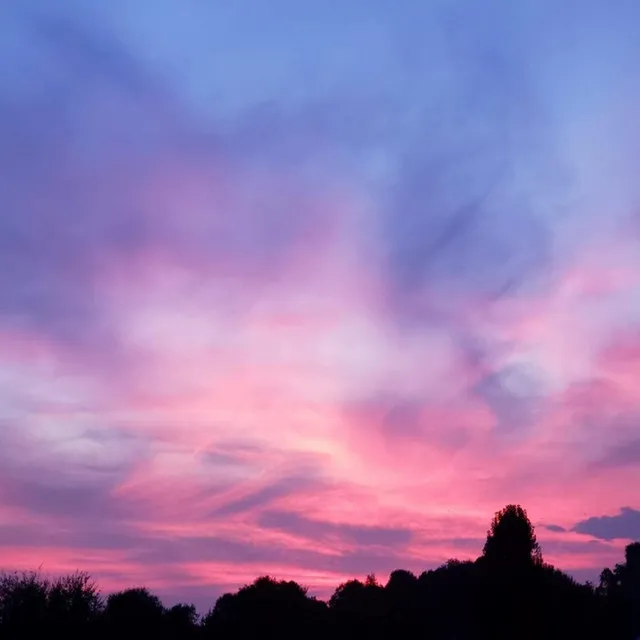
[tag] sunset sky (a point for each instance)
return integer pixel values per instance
(312, 288)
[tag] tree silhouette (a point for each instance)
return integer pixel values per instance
(632, 576)
(511, 540)
(402, 597)
(621, 587)
(23, 604)
(31, 604)
(448, 598)
(506, 593)
(74, 603)
(267, 608)
(181, 621)
(401, 581)
(358, 608)
(134, 610)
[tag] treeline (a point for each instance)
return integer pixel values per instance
(509, 592)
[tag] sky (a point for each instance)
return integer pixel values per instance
(311, 289)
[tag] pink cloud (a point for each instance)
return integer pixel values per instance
(283, 425)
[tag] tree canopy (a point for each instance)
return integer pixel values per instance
(511, 540)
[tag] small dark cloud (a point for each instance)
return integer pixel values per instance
(625, 525)
(323, 531)
(568, 547)
(218, 459)
(265, 496)
(556, 528)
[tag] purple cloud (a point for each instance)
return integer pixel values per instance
(626, 524)
(266, 495)
(322, 532)
(556, 528)
(622, 455)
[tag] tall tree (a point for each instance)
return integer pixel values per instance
(511, 540)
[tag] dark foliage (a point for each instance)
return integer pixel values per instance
(508, 592)
(511, 542)
(267, 608)
(620, 587)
